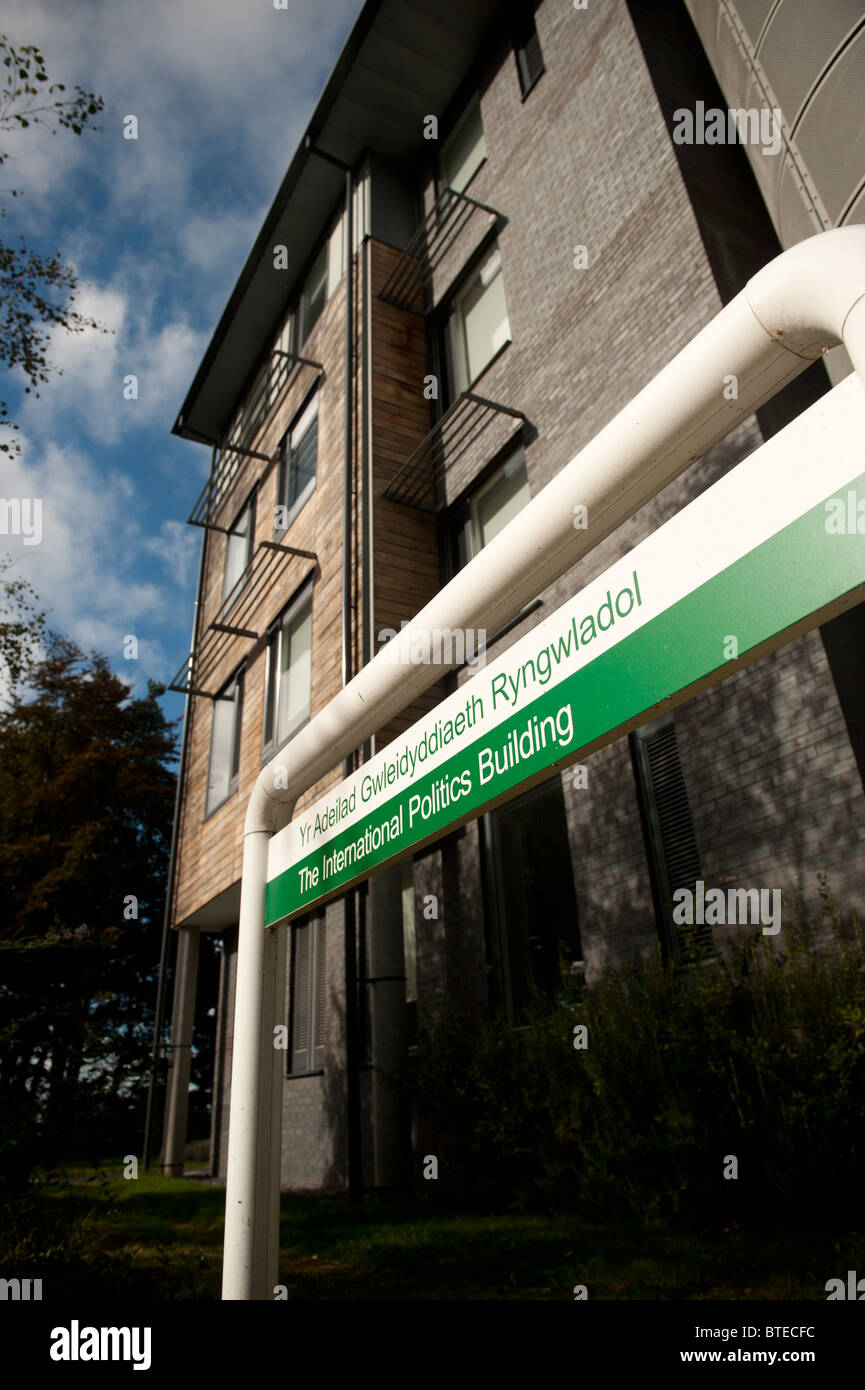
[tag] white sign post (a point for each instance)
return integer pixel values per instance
(772, 549)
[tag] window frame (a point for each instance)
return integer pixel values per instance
(463, 519)
(284, 342)
(305, 328)
(507, 991)
(237, 680)
(472, 107)
(454, 339)
(270, 740)
(307, 416)
(314, 1053)
(524, 34)
(230, 596)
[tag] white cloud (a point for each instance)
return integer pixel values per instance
(94, 548)
(244, 77)
(220, 242)
(159, 227)
(93, 366)
(176, 549)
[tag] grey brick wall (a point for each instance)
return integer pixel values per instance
(776, 795)
(587, 159)
(314, 1107)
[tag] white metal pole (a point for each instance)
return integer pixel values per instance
(247, 1188)
(806, 300)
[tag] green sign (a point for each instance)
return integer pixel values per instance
(772, 549)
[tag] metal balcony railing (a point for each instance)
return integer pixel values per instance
(423, 480)
(276, 377)
(410, 283)
(205, 671)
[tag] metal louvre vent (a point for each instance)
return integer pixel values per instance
(673, 851)
(320, 992)
(799, 45)
(753, 14)
(831, 129)
(681, 856)
(301, 941)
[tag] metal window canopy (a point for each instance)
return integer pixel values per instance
(423, 480)
(269, 389)
(798, 306)
(410, 283)
(235, 619)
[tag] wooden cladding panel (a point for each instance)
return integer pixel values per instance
(210, 851)
(406, 566)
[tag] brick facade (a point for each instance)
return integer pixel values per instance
(776, 795)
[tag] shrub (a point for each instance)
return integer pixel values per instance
(758, 1055)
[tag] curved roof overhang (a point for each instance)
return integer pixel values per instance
(401, 62)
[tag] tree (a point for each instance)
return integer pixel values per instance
(86, 797)
(37, 291)
(22, 627)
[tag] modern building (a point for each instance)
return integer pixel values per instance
(502, 221)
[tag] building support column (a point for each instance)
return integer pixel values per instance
(389, 1027)
(180, 1055)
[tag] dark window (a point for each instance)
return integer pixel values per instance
(464, 150)
(527, 47)
(488, 509)
(299, 456)
(224, 758)
(277, 369)
(477, 327)
(668, 828)
(314, 294)
(308, 993)
(534, 934)
(288, 677)
(409, 942)
(238, 551)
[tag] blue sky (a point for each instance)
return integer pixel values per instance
(157, 230)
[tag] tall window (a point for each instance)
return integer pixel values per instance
(225, 743)
(668, 828)
(409, 943)
(277, 367)
(314, 294)
(527, 46)
(289, 673)
(489, 509)
(478, 325)
(533, 933)
(308, 993)
(464, 151)
(238, 550)
(297, 466)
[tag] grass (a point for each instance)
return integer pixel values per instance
(160, 1238)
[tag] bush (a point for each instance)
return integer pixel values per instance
(52, 1240)
(759, 1056)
